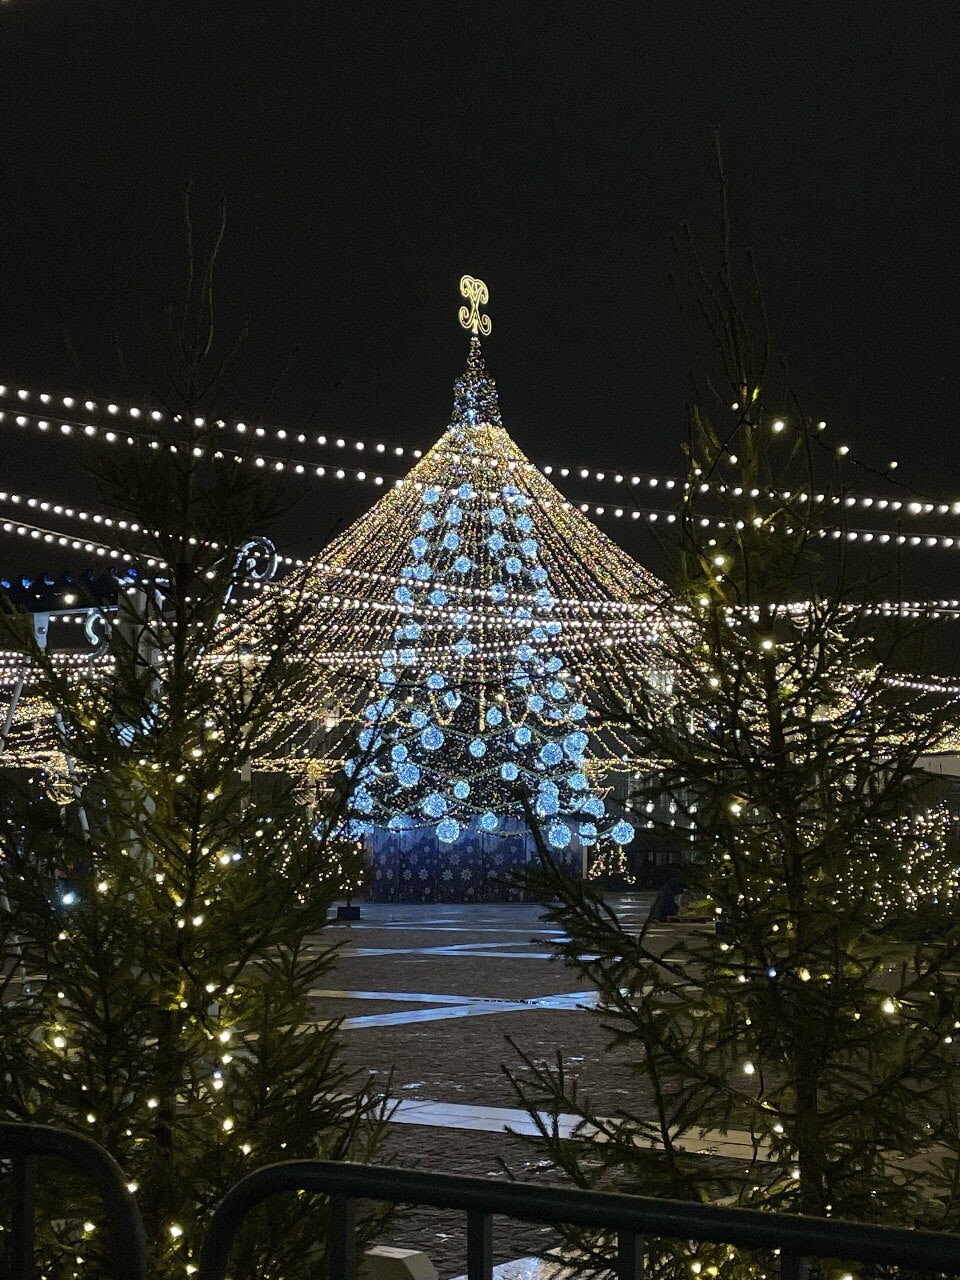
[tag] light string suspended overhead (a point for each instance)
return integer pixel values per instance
(310, 472)
(915, 506)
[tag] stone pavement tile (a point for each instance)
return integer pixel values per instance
(460, 1060)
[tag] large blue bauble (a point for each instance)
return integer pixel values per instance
(622, 832)
(434, 805)
(463, 564)
(419, 718)
(559, 835)
(509, 772)
(547, 806)
(551, 753)
(453, 514)
(451, 541)
(494, 715)
(436, 680)
(431, 739)
(408, 775)
(431, 495)
(461, 789)
(522, 736)
(466, 492)
(477, 748)
(428, 521)
(496, 515)
(437, 597)
(488, 821)
(448, 830)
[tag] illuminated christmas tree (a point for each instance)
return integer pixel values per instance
(482, 704)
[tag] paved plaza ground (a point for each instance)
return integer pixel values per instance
(430, 994)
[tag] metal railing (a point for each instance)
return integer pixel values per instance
(631, 1219)
(24, 1145)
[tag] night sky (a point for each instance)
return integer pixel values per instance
(370, 154)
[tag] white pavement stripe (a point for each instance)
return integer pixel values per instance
(431, 1015)
(350, 953)
(735, 1144)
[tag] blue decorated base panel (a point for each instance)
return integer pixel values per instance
(414, 866)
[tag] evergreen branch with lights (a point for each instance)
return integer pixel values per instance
(817, 1016)
(161, 917)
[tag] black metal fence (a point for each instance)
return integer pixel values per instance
(630, 1220)
(22, 1146)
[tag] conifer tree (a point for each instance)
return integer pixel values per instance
(161, 1002)
(818, 1017)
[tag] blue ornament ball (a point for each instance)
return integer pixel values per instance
(559, 835)
(448, 830)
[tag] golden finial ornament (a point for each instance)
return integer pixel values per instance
(478, 295)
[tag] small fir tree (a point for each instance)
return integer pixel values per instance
(158, 1000)
(819, 1016)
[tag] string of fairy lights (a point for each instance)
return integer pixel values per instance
(108, 432)
(914, 505)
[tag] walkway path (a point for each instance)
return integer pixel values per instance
(434, 995)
